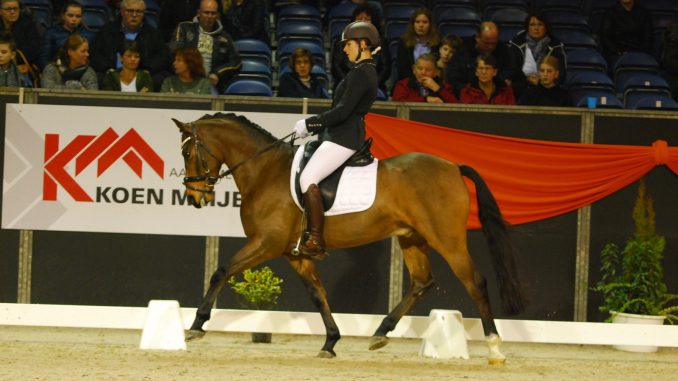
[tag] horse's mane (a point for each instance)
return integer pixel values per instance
(243, 120)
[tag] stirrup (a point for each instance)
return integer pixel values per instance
(313, 254)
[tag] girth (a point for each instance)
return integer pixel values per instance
(328, 186)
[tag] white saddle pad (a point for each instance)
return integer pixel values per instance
(356, 190)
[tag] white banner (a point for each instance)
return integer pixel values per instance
(108, 169)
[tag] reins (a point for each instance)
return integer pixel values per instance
(200, 161)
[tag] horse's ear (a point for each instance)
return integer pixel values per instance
(183, 127)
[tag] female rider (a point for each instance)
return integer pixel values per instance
(341, 129)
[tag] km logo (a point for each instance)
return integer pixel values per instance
(106, 149)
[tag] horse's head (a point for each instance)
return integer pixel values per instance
(200, 163)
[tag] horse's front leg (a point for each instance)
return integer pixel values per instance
(309, 275)
(253, 253)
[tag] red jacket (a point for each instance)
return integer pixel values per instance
(407, 90)
(471, 94)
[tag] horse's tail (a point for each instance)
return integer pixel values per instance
(501, 249)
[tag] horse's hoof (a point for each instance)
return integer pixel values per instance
(325, 354)
(496, 360)
(195, 334)
(378, 342)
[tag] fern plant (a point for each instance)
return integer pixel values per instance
(632, 278)
(258, 290)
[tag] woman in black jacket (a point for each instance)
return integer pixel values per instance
(300, 81)
(341, 129)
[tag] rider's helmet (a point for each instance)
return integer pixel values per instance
(358, 30)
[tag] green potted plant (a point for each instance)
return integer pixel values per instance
(632, 278)
(258, 290)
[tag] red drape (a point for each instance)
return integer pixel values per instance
(531, 179)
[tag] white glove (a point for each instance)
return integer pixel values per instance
(300, 129)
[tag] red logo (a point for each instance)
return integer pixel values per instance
(106, 149)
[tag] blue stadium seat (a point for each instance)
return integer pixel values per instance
(152, 15)
(574, 39)
(459, 30)
(94, 20)
(254, 69)
(284, 51)
(438, 6)
(604, 98)
(631, 63)
(661, 6)
(509, 17)
(567, 20)
(651, 101)
(381, 96)
(298, 29)
(247, 86)
(41, 10)
(491, 7)
(457, 16)
(395, 30)
(399, 11)
(299, 11)
(558, 5)
(336, 28)
(642, 82)
(251, 48)
(342, 11)
(583, 82)
(589, 59)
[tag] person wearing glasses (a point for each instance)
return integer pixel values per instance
(23, 30)
(486, 88)
(153, 51)
(220, 56)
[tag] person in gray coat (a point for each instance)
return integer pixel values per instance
(205, 33)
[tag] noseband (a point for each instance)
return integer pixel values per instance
(201, 163)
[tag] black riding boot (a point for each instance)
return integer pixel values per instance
(313, 243)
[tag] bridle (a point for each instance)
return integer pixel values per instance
(201, 163)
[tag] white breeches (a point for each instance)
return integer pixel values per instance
(326, 159)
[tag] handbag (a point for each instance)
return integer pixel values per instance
(29, 70)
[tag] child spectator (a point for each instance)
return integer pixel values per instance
(424, 85)
(71, 70)
(129, 78)
(301, 82)
(448, 45)
(55, 36)
(547, 92)
(420, 37)
(486, 88)
(9, 74)
(190, 76)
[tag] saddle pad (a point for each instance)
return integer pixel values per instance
(356, 190)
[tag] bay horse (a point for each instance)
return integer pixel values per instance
(421, 199)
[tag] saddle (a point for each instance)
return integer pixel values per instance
(328, 186)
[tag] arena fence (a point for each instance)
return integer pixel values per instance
(558, 259)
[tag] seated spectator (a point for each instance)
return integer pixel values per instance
(420, 37)
(668, 57)
(9, 74)
(22, 28)
(547, 92)
(129, 78)
(301, 82)
(529, 47)
(425, 84)
(71, 70)
(154, 53)
(245, 19)
(55, 36)
(448, 45)
(340, 63)
(461, 69)
(487, 88)
(189, 77)
(626, 27)
(174, 12)
(220, 56)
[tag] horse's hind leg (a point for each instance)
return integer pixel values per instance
(416, 259)
(250, 255)
(475, 284)
(309, 275)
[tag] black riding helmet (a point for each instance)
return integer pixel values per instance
(358, 30)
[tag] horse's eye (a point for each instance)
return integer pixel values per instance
(185, 154)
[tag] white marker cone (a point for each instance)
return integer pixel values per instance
(445, 337)
(164, 327)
